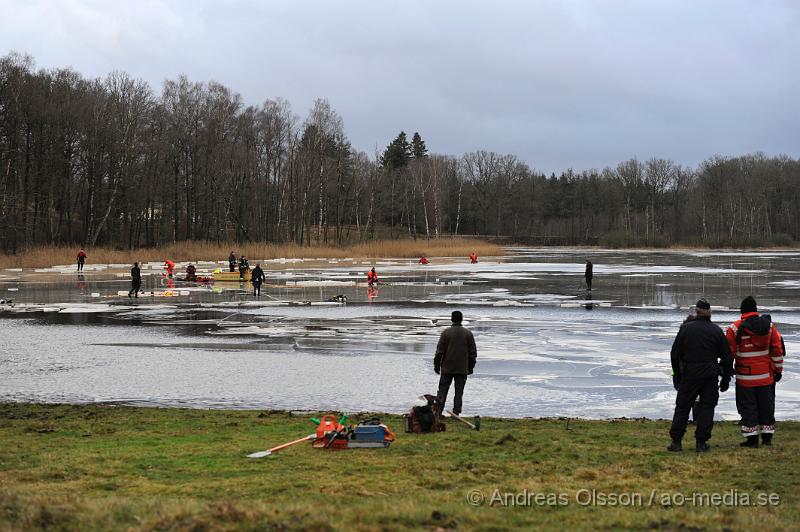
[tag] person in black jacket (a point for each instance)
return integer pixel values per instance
(699, 353)
(136, 280)
(232, 262)
(257, 277)
(454, 360)
(589, 274)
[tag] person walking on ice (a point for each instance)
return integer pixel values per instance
(257, 277)
(136, 280)
(698, 352)
(455, 358)
(81, 259)
(588, 274)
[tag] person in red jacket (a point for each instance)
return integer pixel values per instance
(372, 277)
(424, 260)
(473, 258)
(81, 259)
(758, 351)
(170, 267)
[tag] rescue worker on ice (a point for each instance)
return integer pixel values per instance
(232, 262)
(455, 358)
(758, 350)
(424, 260)
(257, 278)
(699, 352)
(170, 267)
(473, 258)
(191, 273)
(243, 266)
(81, 259)
(372, 277)
(136, 280)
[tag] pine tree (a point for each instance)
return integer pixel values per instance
(397, 153)
(418, 148)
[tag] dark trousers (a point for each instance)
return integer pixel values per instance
(444, 388)
(135, 286)
(756, 405)
(232, 266)
(256, 289)
(688, 391)
(80, 265)
(588, 282)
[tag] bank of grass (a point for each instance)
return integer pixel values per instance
(109, 467)
(203, 250)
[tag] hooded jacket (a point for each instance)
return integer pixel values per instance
(758, 349)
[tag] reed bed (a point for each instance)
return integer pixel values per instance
(202, 250)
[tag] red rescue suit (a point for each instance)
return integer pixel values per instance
(424, 260)
(473, 258)
(170, 266)
(372, 277)
(757, 357)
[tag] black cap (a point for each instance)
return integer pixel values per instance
(703, 304)
(748, 305)
(456, 316)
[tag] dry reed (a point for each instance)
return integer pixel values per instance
(202, 250)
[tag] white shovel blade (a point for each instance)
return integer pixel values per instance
(260, 454)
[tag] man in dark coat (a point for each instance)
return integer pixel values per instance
(699, 352)
(232, 262)
(588, 274)
(257, 277)
(136, 280)
(455, 359)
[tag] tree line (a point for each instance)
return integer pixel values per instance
(111, 162)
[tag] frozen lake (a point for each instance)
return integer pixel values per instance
(544, 347)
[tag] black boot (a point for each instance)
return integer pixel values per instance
(751, 441)
(702, 447)
(675, 446)
(766, 438)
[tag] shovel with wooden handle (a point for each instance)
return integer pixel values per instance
(476, 426)
(268, 452)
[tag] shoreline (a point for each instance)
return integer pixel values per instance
(147, 405)
(45, 256)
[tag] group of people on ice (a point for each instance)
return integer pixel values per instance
(704, 360)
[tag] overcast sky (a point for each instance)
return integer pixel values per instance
(580, 84)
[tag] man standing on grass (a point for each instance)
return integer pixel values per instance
(698, 353)
(136, 280)
(454, 360)
(759, 349)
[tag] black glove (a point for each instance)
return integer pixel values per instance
(436, 369)
(724, 385)
(778, 377)
(469, 372)
(676, 381)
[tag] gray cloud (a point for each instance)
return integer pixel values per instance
(580, 84)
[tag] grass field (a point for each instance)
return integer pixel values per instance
(201, 250)
(111, 467)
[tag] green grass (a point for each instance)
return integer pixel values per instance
(106, 467)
